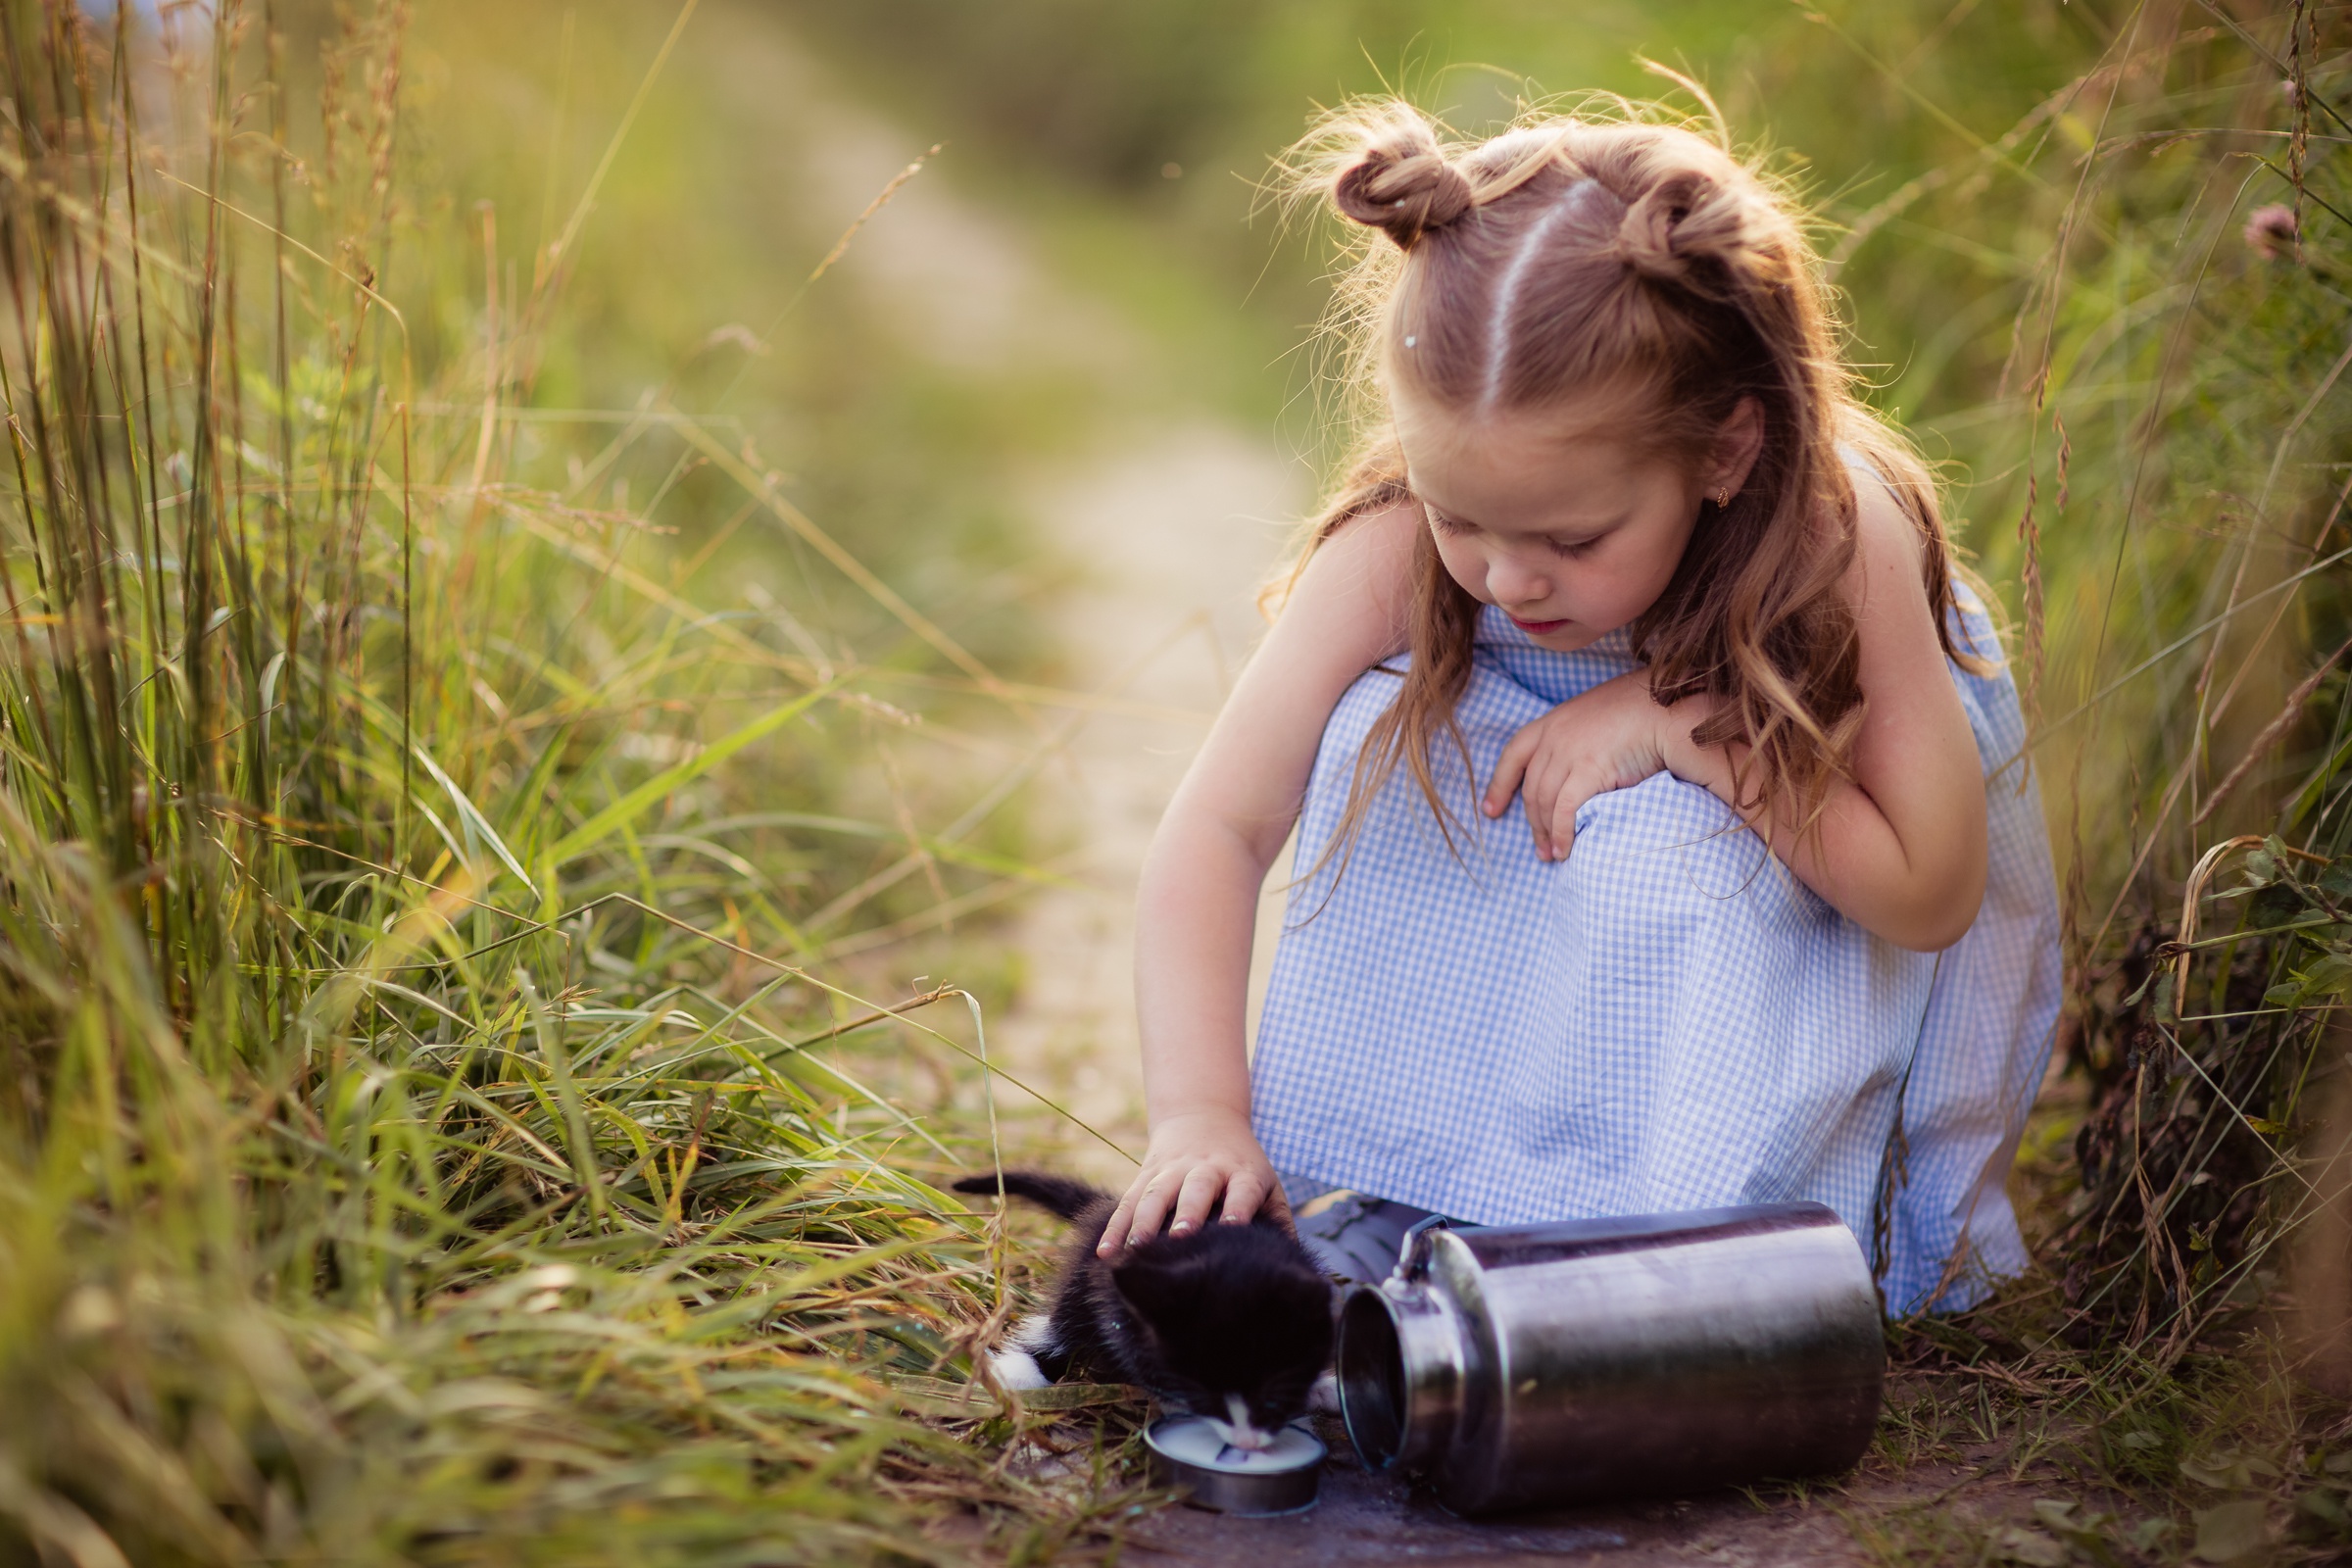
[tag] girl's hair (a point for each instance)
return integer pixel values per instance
(1624, 256)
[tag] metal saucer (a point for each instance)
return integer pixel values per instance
(1246, 1489)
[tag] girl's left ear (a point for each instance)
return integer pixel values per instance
(1737, 445)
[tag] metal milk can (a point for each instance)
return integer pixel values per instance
(1520, 1366)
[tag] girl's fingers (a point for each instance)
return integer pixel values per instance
(1243, 1194)
(1149, 1208)
(1509, 769)
(1277, 1206)
(1563, 818)
(1122, 1220)
(1545, 781)
(1183, 1194)
(1198, 1195)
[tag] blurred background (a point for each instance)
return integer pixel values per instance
(606, 596)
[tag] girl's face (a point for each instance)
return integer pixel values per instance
(1571, 529)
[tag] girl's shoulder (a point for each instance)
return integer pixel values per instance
(1888, 530)
(1893, 565)
(1884, 528)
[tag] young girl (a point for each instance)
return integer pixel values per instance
(1664, 836)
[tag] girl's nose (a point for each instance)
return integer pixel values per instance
(1513, 584)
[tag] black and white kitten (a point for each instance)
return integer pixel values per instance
(1232, 1323)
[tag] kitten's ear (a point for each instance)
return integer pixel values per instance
(1151, 1286)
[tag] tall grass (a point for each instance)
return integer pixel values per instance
(2159, 468)
(427, 1127)
(2167, 445)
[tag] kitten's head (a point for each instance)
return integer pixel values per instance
(1236, 1321)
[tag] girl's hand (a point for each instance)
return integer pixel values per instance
(1194, 1158)
(1609, 738)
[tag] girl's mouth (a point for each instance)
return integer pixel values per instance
(1537, 628)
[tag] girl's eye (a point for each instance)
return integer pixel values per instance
(1438, 520)
(1572, 550)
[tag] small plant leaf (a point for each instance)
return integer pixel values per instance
(2015, 1544)
(2330, 976)
(2231, 1531)
(2227, 1469)
(2090, 1534)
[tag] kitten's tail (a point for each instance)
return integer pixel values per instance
(1057, 1195)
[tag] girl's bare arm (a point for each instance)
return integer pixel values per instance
(1901, 845)
(1198, 899)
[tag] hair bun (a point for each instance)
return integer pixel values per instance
(1647, 235)
(1403, 184)
(1689, 218)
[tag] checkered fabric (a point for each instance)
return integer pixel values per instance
(1666, 1020)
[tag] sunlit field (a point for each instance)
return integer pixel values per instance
(533, 686)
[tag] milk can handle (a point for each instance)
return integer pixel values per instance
(1407, 1266)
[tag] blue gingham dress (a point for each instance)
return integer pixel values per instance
(1666, 1020)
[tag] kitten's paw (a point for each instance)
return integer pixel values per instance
(1324, 1397)
(1016, 1369)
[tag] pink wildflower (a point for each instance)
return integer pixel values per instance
(2271, 231)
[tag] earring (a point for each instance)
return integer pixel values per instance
(1723, 496)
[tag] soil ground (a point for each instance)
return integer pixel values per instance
(1972, 1510)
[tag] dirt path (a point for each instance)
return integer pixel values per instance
(1173, 525)
(1176, 535)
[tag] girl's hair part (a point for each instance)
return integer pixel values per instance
(1622, 253)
